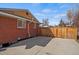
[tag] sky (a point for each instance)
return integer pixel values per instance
(51, 11)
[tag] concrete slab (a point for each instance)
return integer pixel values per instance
(43, 46)
(58, 46)
(30, 46)
(21, 51)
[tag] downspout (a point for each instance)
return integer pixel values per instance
(28, 29)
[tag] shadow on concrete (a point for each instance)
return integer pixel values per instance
(43, 40)
(29, 43)
(40, 41)
(2, 49)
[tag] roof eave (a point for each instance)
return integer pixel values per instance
(10, 15)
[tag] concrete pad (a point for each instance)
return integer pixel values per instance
(60, 46)
(34, 51)
(43, 46)
(30, 46)
(21, 51)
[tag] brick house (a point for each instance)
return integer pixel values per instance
(16, 24)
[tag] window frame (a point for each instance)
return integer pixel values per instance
(23, 23)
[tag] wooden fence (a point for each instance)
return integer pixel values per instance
(59, 32)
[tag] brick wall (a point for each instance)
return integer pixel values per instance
(9, 31)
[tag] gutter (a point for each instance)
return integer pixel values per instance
(10, 15)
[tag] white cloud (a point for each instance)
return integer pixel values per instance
(35, 4)
(54, 11)
(38, 14)
(62, 6)
(49, 10)
(65, 5)
(54, 23)
(59, 15)
(46, 10)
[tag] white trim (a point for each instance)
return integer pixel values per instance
(23, 23)
(6, 14)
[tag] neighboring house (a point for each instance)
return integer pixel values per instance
(16, 24)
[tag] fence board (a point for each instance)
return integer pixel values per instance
(61, 32)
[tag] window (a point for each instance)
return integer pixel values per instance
(21, 23)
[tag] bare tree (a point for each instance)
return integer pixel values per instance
(76, 18)
(45, 22)
(62, 24)
(76, 15)
(70, 16)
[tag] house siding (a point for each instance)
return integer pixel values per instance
(9, 31)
